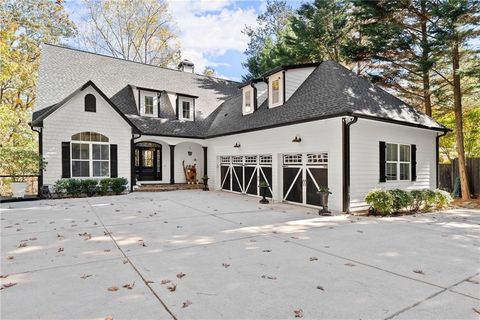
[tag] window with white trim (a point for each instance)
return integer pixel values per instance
(397, 162)
(186, 112)
(90, 155)
(149, 105)
(276, 91)
(186, 108)
(247, 98)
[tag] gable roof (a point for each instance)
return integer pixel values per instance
(63, 70)
(40, 115)
(331, 90)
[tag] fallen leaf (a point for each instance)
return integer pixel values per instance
(267, 250)
(7, 285)
(313, 258)
(294, 237)
(23, 245)
(298, 313)
(150, 281)
(3, 276)
(476, 310)
(129, 286)
(125, 261)
(172, 288)
(10, 257)
(359, 231)
(108, 318)
(349, 264)
(320, 288)
(106, 250)
(473, 281)
(418, 271)
(85, 276)
(269, 277)
(60, 237)
(60, 249)
(165, 281)
(113, 288)
(32, 239)
(181, 275)
(225, 265)
(186, 304)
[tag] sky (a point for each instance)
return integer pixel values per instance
(209, 31)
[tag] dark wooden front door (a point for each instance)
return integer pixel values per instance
(148, 162)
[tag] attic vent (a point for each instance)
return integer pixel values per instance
(186, 66)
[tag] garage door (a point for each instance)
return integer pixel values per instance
(243, 174)
(303, 175)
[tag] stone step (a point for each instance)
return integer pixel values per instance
(167, 187)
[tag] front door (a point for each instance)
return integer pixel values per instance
(148, 162)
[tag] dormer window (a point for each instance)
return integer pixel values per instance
(185, 108)
(149, 105)
(276, 91)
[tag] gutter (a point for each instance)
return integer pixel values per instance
(346, 161)
(437, 152)
(40, 152)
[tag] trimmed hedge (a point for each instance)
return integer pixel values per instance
(386, 202)
(89, 187)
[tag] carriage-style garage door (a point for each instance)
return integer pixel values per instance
(243, 174)
(303, 175)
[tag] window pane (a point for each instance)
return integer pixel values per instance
(186, 109)
(404, 171)
(148, 105)
(247, 99)
(275, 91)
(80, 169)
(392, 152)
(391, 173)
(100, 168)
(405, 153)
(96, 151)
(77, 136)
(84, 151)
(75, 151)
(147, 158)
(105, 152)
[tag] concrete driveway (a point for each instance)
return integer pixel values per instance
(215, 255)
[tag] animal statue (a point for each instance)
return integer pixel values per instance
(190, 173)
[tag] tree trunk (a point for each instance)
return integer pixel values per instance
(457, 101)
(424, 64)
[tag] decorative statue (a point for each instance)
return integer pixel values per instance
(190, 173)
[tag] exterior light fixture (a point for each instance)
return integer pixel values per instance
(237, 145)
(297, 139)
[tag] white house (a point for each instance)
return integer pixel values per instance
(298, 127)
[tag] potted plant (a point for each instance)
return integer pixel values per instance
(263, 191)
(19, 164)
(205, 183)
(324, 192)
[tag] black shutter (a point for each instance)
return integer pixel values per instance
(414, 162)
(65, 159)
(382, 151)
(159, 96)
(113, 161)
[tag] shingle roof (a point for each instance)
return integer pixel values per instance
(330, 90)
(63, 70)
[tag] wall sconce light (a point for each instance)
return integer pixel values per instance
(237, 145)
(297, 139)
(190, 153)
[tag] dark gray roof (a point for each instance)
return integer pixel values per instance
(330, 90)
(63, 70)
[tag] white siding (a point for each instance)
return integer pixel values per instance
(70, 119)
(294, 78)
(317, 136)
(262, 92)
(364, 160)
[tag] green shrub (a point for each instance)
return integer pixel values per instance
(417, 199)
(60, 187)
(380, 200)
(442, 199)
(118, 185)
(401, 199)
(73, 187)
(429, 199)
(89, 186)
(103, 186)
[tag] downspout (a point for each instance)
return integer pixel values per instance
(40, 152)
(133, 179)
(437, 158)
(346, 161)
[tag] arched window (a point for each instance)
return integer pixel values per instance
(90, 155)
(90, 103)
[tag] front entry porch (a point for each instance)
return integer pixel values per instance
(148, 161)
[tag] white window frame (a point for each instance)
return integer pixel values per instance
(90, 158)
(191, 102)
(145, 105)
(279, 76)
(398, 162)
(247, 101)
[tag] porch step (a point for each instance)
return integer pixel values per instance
(167, 187)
